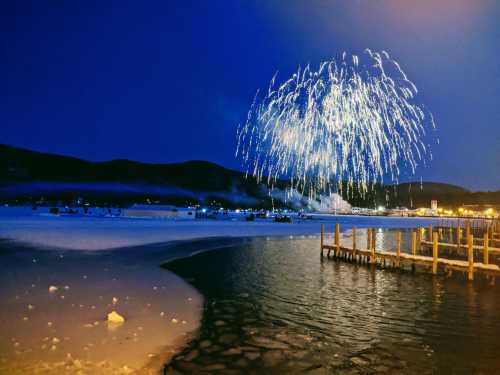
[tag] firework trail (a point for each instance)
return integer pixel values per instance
(348, 123)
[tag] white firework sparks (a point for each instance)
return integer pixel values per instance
(346, 123)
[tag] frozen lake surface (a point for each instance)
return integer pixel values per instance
(90, 233)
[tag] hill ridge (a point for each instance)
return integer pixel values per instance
(21, 169)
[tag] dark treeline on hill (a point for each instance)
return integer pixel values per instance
(417, 194)
(27, 176)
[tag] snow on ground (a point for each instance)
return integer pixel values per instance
(93, 233)
(54, 313)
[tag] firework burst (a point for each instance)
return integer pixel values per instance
(351, 123)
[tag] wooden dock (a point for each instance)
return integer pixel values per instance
(453, 241)
(413, 258)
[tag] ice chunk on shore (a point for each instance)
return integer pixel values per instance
(53, 289)
(115, 318)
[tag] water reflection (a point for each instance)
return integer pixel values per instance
(273, 306)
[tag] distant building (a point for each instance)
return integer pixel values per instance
(480, 210)
(401, 211)
(159, 211)
(434, 205)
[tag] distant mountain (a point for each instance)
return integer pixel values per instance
(420, 194)
(26, 176)
(19, 165)
(447, 195)
(431, 187)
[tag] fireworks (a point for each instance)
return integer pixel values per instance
(352, 122)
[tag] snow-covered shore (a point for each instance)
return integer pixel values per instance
(55, 305)
(87, 233)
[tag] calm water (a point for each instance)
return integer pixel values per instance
(272, 306)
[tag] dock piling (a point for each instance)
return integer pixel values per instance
(372, 246)
(369, 244)
(414, 243)
(486, 256)
(368, 240)
(434, 253)
(459, 236)
(354, 243)
(374, 239)
(419, 239)
(322, 238)
(337, 239)
(398, 248)
(470, 256)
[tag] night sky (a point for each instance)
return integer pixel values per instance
(169, 81)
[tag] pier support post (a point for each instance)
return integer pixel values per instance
(430, 232)
(419, 239)
(374, 239)
(321, 241)
(434, 253)
(459, 236)
(329, 249)
(354, 243)
(414, 243)
(373, 246)
(413, 247)
(486, 256)
(470, 256)
(337, 238)
(368, 238)
(398, 248)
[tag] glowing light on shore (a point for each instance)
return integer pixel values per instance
(353, 120)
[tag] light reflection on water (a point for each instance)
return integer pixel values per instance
(357, 319)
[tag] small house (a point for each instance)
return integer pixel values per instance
(159, 211)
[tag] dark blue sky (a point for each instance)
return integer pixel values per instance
(168, 81)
